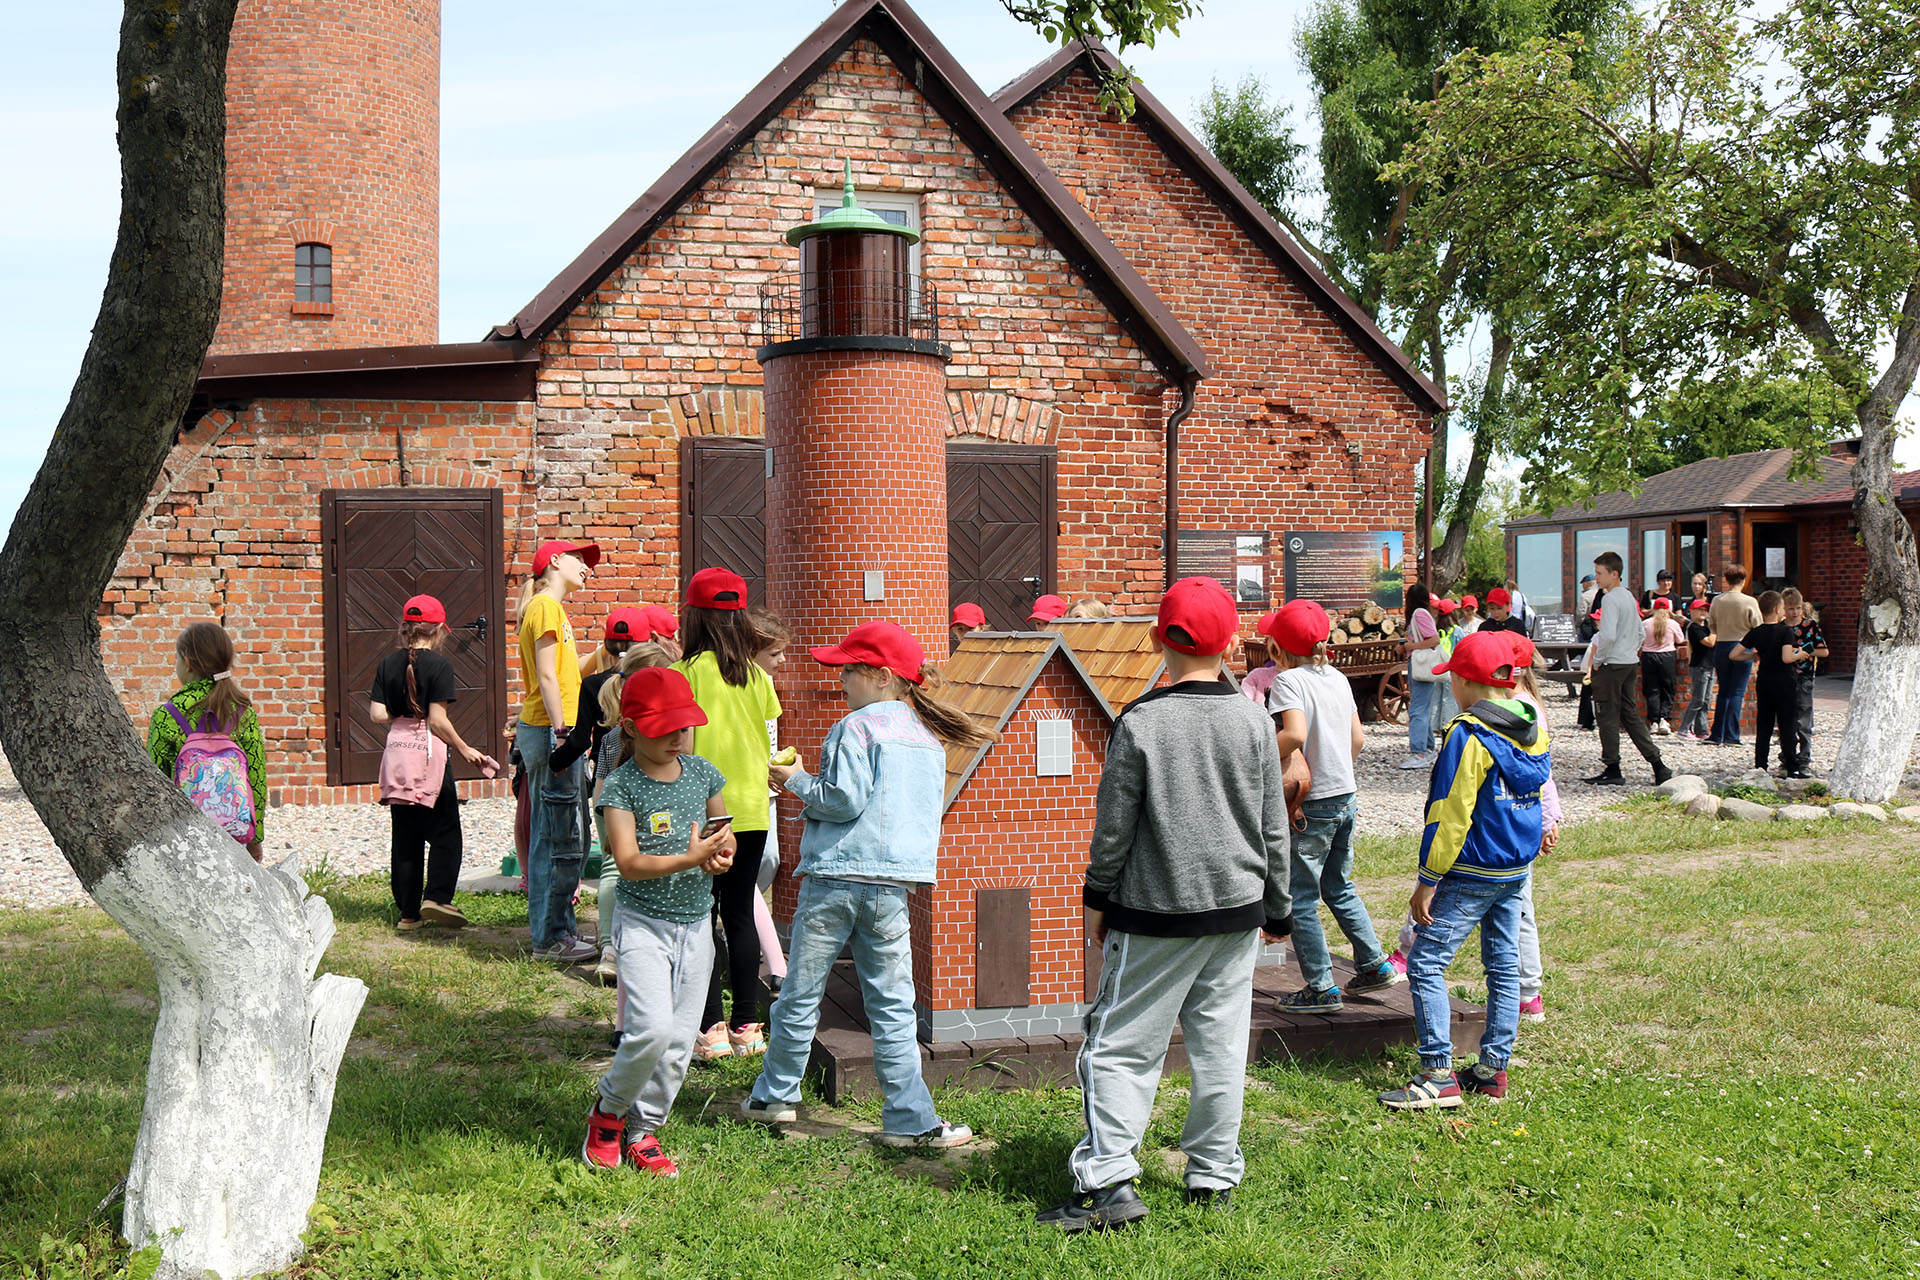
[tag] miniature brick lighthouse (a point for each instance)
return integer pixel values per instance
(856, 402)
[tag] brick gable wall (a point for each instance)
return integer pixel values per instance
(1033, 348)
(1297, 428)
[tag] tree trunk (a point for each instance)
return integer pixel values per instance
(240, 1085)
(1883, 713)
(1450, 558)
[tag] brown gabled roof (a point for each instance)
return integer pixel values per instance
(988, 676)
(1905, 486)
(1120, 653)
(922, 59)
(1200, 164)
(1758, 479)
(492, 370)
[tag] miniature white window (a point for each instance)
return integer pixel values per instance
(1053, 748)
(901, 208)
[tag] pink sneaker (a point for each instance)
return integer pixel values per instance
(1534, 1010)
(1398, 961)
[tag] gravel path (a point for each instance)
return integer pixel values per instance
(353, 838)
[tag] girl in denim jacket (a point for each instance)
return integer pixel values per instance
(872, 832)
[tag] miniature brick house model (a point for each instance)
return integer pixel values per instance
(1000, 945)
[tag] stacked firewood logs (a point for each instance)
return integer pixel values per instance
(1357, 626)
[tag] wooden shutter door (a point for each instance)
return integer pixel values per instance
(382, 546)
(1000, 529)
(723, 509)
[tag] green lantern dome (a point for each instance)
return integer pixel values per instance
(849, 217)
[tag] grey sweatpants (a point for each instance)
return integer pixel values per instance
(1146, 986)
(664, 971)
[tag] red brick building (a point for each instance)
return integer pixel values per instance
(1135, 348)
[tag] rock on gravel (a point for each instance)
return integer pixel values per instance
(1907, 813)
(1682, 787)
(1847, 809)
(1799, 813)
(1760, 779)
(1704, 805)
(1745, 810)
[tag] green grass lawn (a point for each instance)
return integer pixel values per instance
(1727, 1087)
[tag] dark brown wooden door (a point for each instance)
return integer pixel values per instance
(1000, 529)
(380, 547)
(723, 509)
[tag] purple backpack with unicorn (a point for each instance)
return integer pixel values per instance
(212, 770)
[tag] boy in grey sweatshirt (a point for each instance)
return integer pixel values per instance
(1188, 868)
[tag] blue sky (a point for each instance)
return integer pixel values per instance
(554, 117)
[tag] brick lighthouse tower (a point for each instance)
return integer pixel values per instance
(856, 402)
(333, 176)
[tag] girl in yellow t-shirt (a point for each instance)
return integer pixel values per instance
(550, 670)
(738, 698)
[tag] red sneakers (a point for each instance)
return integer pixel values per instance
(644, 1153)
(601, 1150)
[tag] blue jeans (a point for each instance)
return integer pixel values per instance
(874, 916)
(556, 843)
(1733, 693)
(1421, 697)
(1459, 903)
(1700, 698)
(1321, 870)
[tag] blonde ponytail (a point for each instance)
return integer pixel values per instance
(644, 654)
(943, 719)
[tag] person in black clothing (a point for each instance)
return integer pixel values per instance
(1588, 628)
(1664, 587)
(1500, 616)
(413, 682)
(1808, 636)
(1772, 643)
(1700, 642)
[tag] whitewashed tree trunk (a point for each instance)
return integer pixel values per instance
(240, 1084)
(1883, 718)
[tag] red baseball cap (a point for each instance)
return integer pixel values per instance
(1202, 608)
(659, 701)
(1469, 603)
(661, 620)
(629, 622)
(1298, 626)
(1595, 615)
(1445, 605)
(1499, 596)
(1522, 649)
(423, 609)
(1047, 608)
(1661, 602)
(1479, 657)
(1699, 604)
(588, 551)
(717, 589)
(969, 615)
(886, 645)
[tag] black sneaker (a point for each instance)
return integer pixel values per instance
(1608, 777)
(1307, 1000)
(1217, 1198)
(1661, 773)
(1113, 1206)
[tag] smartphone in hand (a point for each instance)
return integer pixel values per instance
(713, 825)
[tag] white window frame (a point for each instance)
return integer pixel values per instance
(1053, 748)
(827, 199)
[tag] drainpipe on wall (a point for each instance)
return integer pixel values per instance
(1172, 537)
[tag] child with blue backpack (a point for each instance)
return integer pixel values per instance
(206, 737)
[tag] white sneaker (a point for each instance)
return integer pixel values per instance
(607, 972)
(940, 1137)
(760, 1112)
(1416, 762)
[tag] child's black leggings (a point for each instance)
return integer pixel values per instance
(415, 829)
(1773, 713)
(739, 960)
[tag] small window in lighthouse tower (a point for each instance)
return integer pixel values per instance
(1053, 748)
(313, 273)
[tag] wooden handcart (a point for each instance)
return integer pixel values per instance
(1379, 675)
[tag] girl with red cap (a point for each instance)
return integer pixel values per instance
(658, 806)
(872, 834)
(415, 683)
(550, 671)
(737, 696)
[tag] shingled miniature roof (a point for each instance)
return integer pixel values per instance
(1120, 653)
(988, 675)
(954, 95)
(1199, 164)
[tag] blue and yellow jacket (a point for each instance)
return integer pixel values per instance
(1483, 803)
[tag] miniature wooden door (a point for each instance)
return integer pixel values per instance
(1000, 529)
(380, 546)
